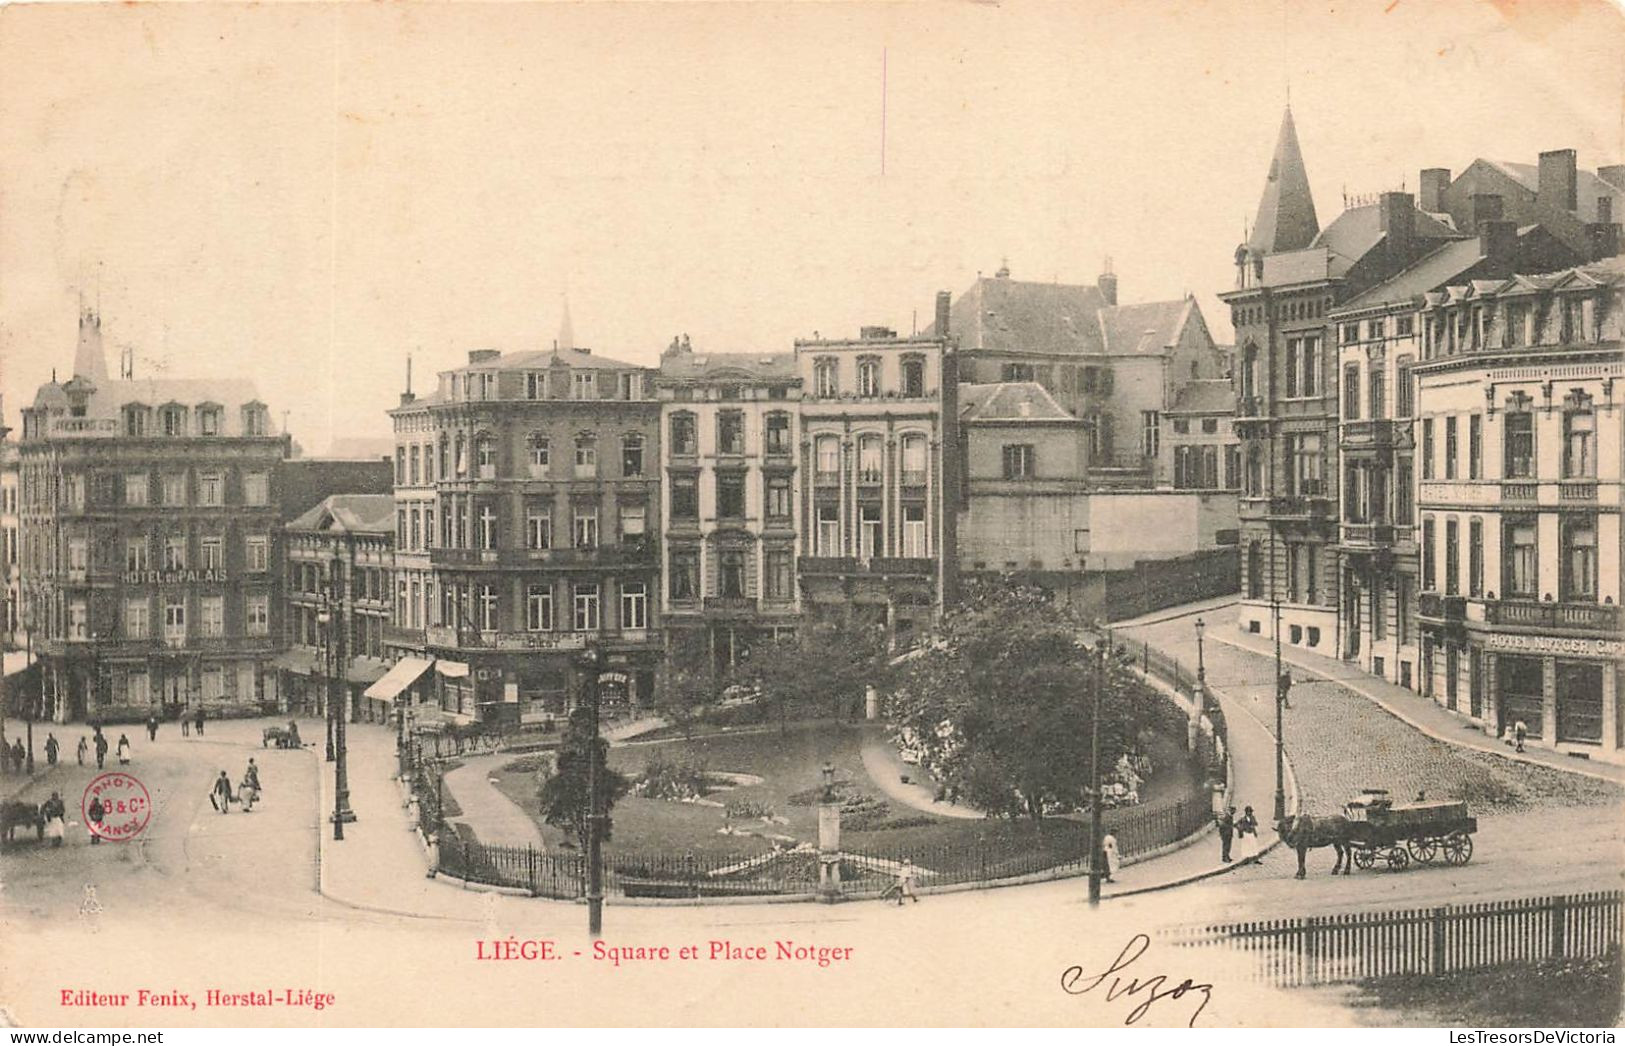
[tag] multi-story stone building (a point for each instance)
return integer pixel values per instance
(12, 634)
(339, 565)
(1580, 208)
(1200, 450)
(543, 467)
(148, 523)
(1378, 335)
(879, 476)
(1119, 368)
(1518, 500)
(732, 515)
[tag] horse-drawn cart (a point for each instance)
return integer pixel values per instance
(1422, 831)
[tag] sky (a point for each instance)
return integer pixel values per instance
(307, 195)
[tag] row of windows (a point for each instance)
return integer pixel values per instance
(1579, 431)
(1286, 312)
(730, 433)
(415, 465)
(1301, 368)
(1182, 426)
(478, 607)
(210, 553)
(1520, 558)
(177, 420)
(730, 497)
(1376, 329)
(870, 459)
(474, 522)
(136, 489)
(210, 621)
(1490, 324)
(733, 566)
(553, 385)
(1366, 494)
(871, 536)
(827, 377)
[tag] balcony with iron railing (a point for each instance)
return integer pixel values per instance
(1374, 434)
(1301, 506)
(1601, 618)
(909, 566)
(631, 555)
(728, 606)
(1368, 535)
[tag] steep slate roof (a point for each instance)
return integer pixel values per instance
(1010, 401)
(539, 359)
(1587, 186)
(1205, 396)
(746, 366)
(1147, 328)
(1430, 272)
(1285, 219)
(352, 513)
(999, 314)
(1353, 234)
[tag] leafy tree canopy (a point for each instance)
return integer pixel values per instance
(564, 795)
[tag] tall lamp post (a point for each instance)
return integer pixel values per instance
(593, 661)
(1201, 664)
(1280, 699)
(324, 622)
(1102, 651)
(341, 778)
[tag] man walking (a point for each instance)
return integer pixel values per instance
(220, 797)
(1227, 831)
(94, 816)
(199, 722)
(101, 748)
(152, 727)
(51, 748)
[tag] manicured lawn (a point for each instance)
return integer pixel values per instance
(790, 763)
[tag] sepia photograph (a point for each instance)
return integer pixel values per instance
(812, 515)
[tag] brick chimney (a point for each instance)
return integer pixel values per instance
(1498, 241)
(1613, 174)
(1398, 222)
(1106, 283)
(1435, 180)
(944, 301)
(1558, 183)
(1486, 207)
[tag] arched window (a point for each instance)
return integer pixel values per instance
(871, 459)
(135, 419)
(914, 460)
(827, 461)
(586, 466)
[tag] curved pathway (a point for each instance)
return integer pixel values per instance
(886, 770)
(495, 818)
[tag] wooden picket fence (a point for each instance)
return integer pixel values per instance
(1330, 949)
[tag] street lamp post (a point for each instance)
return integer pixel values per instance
(1102, 651)
(1201, 664)
(324, 621)
(341, 778)
(1280, 698)
(594, 663)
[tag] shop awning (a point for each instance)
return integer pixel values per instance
(404, 673)
(452, 669)
(299, 662)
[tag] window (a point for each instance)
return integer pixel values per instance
(1579, 439)
(682, 434)
(486, 604)
(212, 615)
(257, 615)
(685, 498)
(211, 553)
(913, 373)
(445, 457)
(1019, 461)
(730, 432)
(211, 489)
(400, 466)
(586, 606)
(256, 488)
(1405, 404)
(1232, 467)
(629, 385)
(1302, 367)
(1017, 372)
(1404, 495)
(685, 576)
(1428, 579)
(175, 552)
(539, 608)
(1350, 333)
(135, 488)
(462, 456)
(730, 495)
(485, 456)
(135, 420)
(1210, 426)
(1404, 326)
(1379, 394)
(1475, 557)
(780, 571)
(1306, 464)
(1427, 448)
(257, 553)
(585, 531)
(586, 456)
(535, 385)
(731, 573)
(136, 623)
(1150, 439)
(1521, 560)
(1351, 392)
(173, 421)
(413, 471)
(1182, 426)
(777, 434)
(914, 460)
(1579, 565)
(1450, 447)
(540, 451)
(1452, 557)
(174, 488)
(868, 376)
(584, 385)
(914, 531)
(135, 554)
(1302, 568)
(634, 605)
(778, 497)
(826, 377)
(871, 536)
(487, 520)
(633, 523)
(870, 459)
(175, 620)
(1519, 442)
(829, 530)
(1374, 329)
(632, 455)
(827, 461)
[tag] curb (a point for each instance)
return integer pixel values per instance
(1157, 617)
(1420, 728)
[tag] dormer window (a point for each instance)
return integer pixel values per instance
(256, 420)
(135, 419)
(208, 419)
(172, 420)
(584, 385)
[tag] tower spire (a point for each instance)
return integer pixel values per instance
(1286, 212)
(567, 334)
(90, 359)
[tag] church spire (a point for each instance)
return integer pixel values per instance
(90, 359)
(1286, 212)
(567, 334)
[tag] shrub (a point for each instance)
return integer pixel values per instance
(673, 781)
(745, 809)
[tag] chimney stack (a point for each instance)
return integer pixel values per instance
(1106, 283)
(1435, 180)
(1558, 183)
(1604, 239)
(1613, 174)
(944, 301)
(1486, 207)
(1498, 241)
(1398, 215)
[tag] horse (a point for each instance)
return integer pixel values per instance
(1304, 833)
(14, 814)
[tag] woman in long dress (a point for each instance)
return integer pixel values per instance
(1113, 859)
(124, 749)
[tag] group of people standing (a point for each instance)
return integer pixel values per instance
(248, 792)
(1231, 826)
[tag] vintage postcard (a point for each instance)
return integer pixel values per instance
(812, 514)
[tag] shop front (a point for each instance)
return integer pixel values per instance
(1565, 690)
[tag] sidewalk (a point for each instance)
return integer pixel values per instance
(1413, 709)
(492, 815)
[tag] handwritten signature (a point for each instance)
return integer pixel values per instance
(1075, 982)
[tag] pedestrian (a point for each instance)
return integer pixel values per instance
(1113, 859)
(152, 727)
(124, 749)
(220, 798)
(55, 812)
(432, 843)
(198, 721)
(252, 774)
(94, 817)
(51, 748)
(1227, 831)
(101, 748)
(18, 755)
(1520, 731)
(293, 735)
(1284, 686)
(84, 748)
(1247, 829)
(186, 721)
(905, 882)
(248, 793)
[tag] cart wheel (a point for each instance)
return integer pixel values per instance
(1364, 857)
(1424, 850)
(1398, 859)
(1458, 848)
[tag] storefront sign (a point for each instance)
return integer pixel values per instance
(171, 577)
(540, 640)
(614, 679)
(1555, 645)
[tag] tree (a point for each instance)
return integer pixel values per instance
(1000, 700)
(821, 669)
(691, 680)
(564, 795)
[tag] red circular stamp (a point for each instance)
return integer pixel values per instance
(126, 807)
